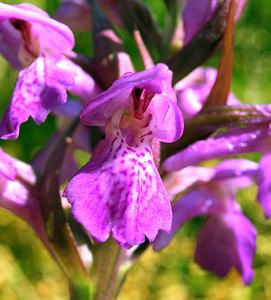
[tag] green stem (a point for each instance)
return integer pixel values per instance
(108, 260)
(79, 291)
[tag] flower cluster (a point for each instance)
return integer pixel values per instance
(142, 182)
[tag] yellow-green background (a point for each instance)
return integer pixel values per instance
(26, 270)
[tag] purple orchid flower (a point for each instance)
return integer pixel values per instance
(37, 45)
(17, 193)
(120, 189)
(197, 13)
(227, 239)
(194, 89)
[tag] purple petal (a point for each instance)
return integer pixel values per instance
(17, 198)
(235, 141)
(197, 13)
(16, 192)
(39, 89)
(166, 119)
(227, 242)
(233, 174)
(10, 42)
(167, 122)
(193, 91)
(120, 191)
(197, 202)
(235, 168)
(101, 108)
(53, 37)
(69, 110)
(84, 85)
(236, 173)
(7, 169)
(264, 183)
(179, 181)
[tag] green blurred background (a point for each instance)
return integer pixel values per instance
(26, 270)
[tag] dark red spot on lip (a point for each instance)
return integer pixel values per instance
(23, 27)
(141, 99)
(25, 30)
(136, 94)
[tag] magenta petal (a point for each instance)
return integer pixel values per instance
(84, 85)
(120, 191)
(10, 42)
(166, 119)
(195, 15)
(179, 181)
(39, 89)
(193, 91)
(53, 37)
(264, 183)
(7, 168)
(167, 123)
(232, 168)
(69, 110)
(101, 108)
(236, 141)
(225, 242)
(197, 202)
(16, 184)
(236, 173)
